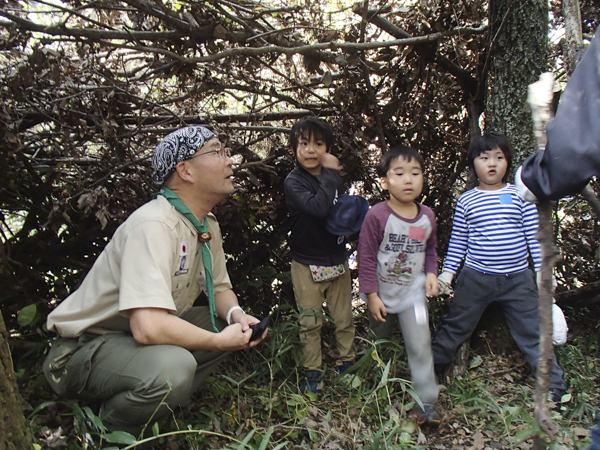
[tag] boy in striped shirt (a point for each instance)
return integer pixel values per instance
(494, 233)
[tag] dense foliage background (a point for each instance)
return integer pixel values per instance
(87, 90)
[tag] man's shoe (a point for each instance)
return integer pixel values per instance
(313, 381)
(343, 368)
(427, 415)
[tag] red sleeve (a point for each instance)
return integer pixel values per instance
(369, 240)
(431, 256)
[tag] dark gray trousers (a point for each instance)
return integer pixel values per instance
(475, 291)
(133, 382)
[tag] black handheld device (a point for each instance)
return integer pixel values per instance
(259, 328)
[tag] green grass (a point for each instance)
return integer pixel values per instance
(253, 402)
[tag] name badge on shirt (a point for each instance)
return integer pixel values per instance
(416, 233)
(181, 270)
(183, 251)
(505, 199)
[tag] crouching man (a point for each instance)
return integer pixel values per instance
(129, 336)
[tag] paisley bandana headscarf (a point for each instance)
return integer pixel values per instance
(176, 147)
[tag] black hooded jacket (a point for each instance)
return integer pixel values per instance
(309, 200)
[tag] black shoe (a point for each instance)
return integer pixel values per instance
(427, 415)
(555, 396)
(342, 369)
(313, 381)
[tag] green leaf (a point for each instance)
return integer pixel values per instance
(477, 361)
(385, 375)
(266, 439)
(244, 443)
(27, 315)
(119, 437)
(525, 434)
(94, 418)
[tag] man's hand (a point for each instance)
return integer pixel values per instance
(445, 282)
(524, 191)
(232, 338)
(432, 286)
(245, 320)
(376, 307)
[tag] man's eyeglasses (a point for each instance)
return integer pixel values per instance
(219, 149)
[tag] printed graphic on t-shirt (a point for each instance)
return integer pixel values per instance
(406, 256)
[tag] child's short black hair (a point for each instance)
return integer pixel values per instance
(490, 142)
(399, 151)
(311, 127)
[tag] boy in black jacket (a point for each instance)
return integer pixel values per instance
(319, 259)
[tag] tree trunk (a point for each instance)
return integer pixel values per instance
(542, 382)
(14, 432)
(518, 54)
(573, 41)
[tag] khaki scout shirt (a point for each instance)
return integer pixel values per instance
(154, 260)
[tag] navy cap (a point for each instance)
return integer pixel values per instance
(347, 215)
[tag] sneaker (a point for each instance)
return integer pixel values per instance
(313, 381)
(555, 396)
(426, 415)
(344, 366)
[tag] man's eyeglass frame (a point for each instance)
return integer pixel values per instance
(222, 151)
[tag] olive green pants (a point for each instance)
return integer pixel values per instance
(134, 382)
(310, 297)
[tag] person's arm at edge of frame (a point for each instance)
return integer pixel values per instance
(153, 326)
(572, 154)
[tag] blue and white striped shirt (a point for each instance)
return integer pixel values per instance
(494, 232)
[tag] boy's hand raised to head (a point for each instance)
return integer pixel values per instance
(330, 161)
(376, 307)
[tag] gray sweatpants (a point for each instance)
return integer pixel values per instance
(134, 382)
(518, 296)
(417, 341)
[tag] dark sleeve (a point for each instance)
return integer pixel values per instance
(301, 197)
(572, 155)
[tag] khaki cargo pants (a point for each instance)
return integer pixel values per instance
(310, 297)
(134, 382)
